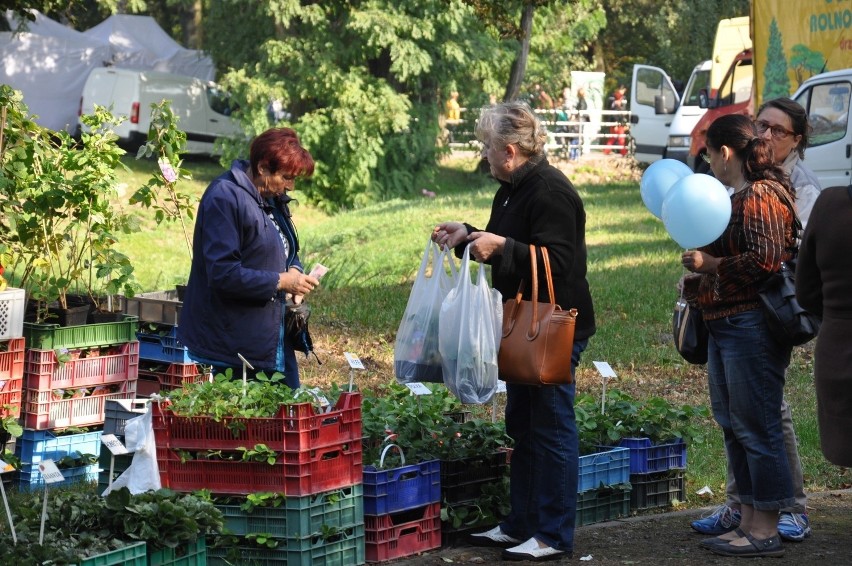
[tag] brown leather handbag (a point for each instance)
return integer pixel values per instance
(538, 338)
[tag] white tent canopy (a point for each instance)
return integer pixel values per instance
(138, 42)
(49, 65)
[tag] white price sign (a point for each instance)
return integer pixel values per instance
(604, 369)
(354, 361)
(49, 472)
(114, 444)
(418, 388)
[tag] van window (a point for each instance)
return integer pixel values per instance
(828, 111)
(651, 83)
(700, 80)
(737, 85)
(220, 101)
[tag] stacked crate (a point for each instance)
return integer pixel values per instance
(656, 472)
(164, 362)
(463, 482)
(603, 488)
(118, 412)
(402, 510)
(317, 467)
(69, 374)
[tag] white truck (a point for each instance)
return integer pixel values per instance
(826, 98)
(661, 123)
(203, 110)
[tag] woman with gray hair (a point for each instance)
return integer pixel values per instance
(535, 204)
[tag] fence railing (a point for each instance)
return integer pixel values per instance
(592, 130)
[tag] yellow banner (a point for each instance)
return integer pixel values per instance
(794, 40)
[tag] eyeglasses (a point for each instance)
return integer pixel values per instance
(706, 158)
(779, 132)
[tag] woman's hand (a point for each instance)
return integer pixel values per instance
(484, 245)
(699, 262)
(296, 283)
(449, 234)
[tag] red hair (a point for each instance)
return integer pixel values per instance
(278, 149)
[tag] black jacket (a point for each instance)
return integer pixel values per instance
(540, 206)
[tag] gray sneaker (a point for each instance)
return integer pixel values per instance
(794, 527)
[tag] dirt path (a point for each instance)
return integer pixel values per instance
(668, 539)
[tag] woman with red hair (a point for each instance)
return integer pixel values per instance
(245, 262)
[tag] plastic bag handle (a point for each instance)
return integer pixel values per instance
(385, 451)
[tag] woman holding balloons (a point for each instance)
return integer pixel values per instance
(746, 364)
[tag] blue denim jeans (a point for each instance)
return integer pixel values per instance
(545, 460)
(746, 375)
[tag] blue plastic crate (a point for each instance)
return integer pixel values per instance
(398, 489)
(162, 347)
(29, 478)
(608, 467)
(37, 445)
(647, 457)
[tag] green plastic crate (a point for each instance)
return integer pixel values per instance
(604, 504)
(135, 554)
(53, 336)
(345, 549)
(187, 554)
(299, 517)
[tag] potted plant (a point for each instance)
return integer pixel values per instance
(56, 197)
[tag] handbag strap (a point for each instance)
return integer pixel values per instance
(546, 259)
(534, 322)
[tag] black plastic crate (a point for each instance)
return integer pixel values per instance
(656, 490)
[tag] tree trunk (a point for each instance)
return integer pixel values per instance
(190, 20)
(519, 65)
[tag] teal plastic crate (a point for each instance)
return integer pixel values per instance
(135, 554)
(187, 554)
(611, 466)
(299, 517)
(346, 548)
(53, 336)
(604, 504)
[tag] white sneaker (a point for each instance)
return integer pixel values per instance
(530, 550)
(494, 537)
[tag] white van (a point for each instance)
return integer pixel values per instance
(826, 98)
(202, 109)
(687, 114)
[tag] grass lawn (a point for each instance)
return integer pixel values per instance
(374, 253)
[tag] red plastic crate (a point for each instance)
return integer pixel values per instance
(387, 537)
(296, 428)
(42, 412)
(173, 376)
(295, 473)
(10, 395)
(11, 359)
(43, 371)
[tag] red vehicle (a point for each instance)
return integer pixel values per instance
(735, 96)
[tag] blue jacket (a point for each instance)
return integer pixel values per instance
(231, 304)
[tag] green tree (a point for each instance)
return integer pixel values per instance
(806, 62)
(775, 80)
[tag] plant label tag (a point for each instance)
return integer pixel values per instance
(114, 444)
(317, 393)
(354, 361)
(604, 369)
(418, 388)
(49, 472)
(5, 467)
(501, 387)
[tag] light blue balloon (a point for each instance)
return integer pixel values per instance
(658, 179)
(696, 210)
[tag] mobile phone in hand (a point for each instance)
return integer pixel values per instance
(318, 271)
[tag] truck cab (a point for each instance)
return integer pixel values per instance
(653, 101)
(826, 99)
(734, 96)
(688, 113)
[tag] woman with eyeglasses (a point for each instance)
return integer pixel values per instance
(245, 262)
(746, 365)
(783, 123)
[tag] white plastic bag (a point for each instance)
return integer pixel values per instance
(143, 474)
(415, 352)
(469, 334)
